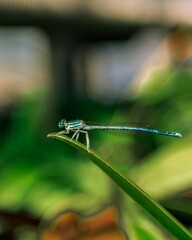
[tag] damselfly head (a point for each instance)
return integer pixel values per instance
(62, 123)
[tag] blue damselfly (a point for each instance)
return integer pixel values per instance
(80, 126)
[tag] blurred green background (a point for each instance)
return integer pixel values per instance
(78, 63)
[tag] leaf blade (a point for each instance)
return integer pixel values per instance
(134, 191)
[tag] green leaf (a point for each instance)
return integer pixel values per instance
(173, 170)
(134, 191)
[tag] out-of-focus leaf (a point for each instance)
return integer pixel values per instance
(143, 234)
(166, 172)
(102, 226)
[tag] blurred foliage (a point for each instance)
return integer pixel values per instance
(43, 177)
(101, 226)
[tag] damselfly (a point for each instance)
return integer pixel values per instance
(80, 126)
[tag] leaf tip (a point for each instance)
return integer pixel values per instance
(50, 135)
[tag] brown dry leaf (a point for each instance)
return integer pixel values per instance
(71, 226)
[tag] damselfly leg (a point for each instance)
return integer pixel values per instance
(76, 136)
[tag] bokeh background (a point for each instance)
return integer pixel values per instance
(101, 61)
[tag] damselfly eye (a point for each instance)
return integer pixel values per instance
(62, 123)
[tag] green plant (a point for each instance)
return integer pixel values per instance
(134, 191)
